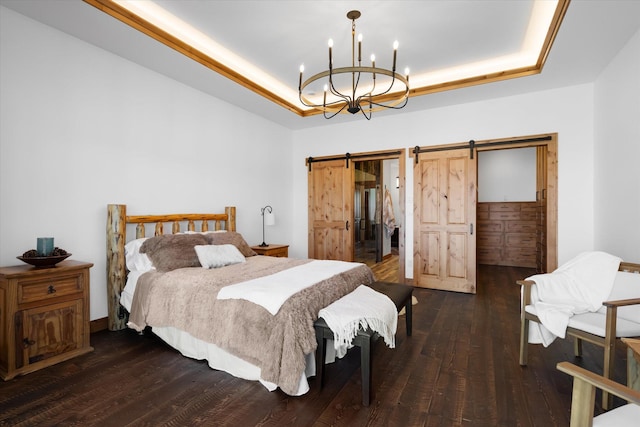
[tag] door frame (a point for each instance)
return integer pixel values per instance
(551, 175)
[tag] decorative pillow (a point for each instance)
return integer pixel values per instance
(134, 259)
(215, 256)
(231, 238)
(171, 251)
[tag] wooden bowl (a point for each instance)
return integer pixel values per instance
(44, 261)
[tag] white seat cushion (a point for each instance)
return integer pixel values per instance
(627, 415)
(594, 323)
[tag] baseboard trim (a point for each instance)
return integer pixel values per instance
(98, 325)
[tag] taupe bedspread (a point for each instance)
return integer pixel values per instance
(187, 299)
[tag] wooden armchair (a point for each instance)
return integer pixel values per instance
(601, 328)
(583, 399)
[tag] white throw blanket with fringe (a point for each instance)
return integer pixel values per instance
(272, 291)
(363, 308)
(578, 286)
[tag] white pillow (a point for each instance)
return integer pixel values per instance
(135, 260)
(214, 256)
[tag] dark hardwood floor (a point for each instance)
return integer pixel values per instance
(460, 368)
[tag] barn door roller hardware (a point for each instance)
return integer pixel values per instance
(472, 145)
(349, 156)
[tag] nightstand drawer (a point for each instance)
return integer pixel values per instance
(47, 288)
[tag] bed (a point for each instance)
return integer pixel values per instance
(221, 314)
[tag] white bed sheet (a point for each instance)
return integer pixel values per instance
(217, 357)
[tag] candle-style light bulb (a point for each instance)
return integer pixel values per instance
(324, 102)
(373, 64)
(395, 51)
(301, 71)
(406, 73)
(359, 48)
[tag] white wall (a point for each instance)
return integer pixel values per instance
(82, 128)
(567, 111)
(617, 154)
(507, 175)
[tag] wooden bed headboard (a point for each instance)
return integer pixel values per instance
(117, 220)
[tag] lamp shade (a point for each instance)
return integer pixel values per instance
(269, 218)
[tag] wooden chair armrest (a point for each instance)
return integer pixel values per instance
(621, 302)
(600, 382)
(525, 286)
(525, 282)
(629, 267)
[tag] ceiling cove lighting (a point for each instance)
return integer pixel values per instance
(149, 18)
(192, 40)
(356, 88)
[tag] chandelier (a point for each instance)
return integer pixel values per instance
(370, 88)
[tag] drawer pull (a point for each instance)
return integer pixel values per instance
(27, 343)
(51, 290)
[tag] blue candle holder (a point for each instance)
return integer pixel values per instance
(44, 246)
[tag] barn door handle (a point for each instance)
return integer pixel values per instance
(347, 225)
(471, 228)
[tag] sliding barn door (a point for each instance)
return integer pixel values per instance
(331, 189)
(444, 220)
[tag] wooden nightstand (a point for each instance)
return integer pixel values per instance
(44, 316)
(272, 250)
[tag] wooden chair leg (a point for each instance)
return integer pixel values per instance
(609, 361)
(577, 347)
(524, 340)
(609, 352)
(582, 401)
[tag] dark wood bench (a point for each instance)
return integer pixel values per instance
(401, 296)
